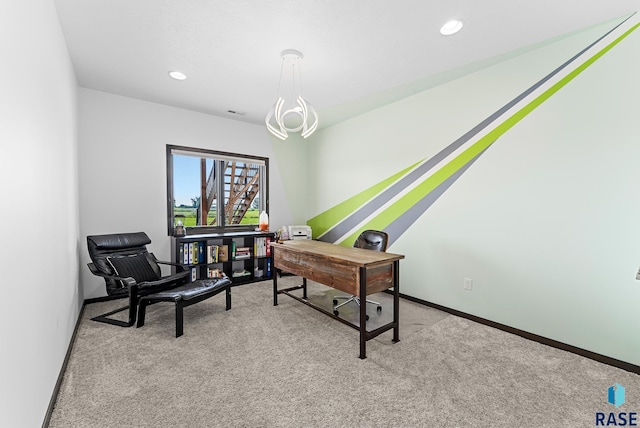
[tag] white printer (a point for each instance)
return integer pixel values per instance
(299, 232)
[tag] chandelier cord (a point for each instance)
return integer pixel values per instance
(280, 82)
(299, 75)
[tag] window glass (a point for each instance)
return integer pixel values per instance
(212, 191)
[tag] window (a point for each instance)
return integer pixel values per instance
(211, 191)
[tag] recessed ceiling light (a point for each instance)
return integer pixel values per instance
(177, 75)
(451, 27)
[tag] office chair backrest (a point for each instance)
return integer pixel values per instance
(375, 240)
(123, 255)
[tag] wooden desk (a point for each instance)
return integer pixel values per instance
(353, 270)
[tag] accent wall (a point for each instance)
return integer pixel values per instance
(519, 178)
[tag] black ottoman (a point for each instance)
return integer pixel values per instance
(185, 295)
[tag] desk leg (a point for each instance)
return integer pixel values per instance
(396, 301)
(275, 287)
(304, 288)
(363, 313)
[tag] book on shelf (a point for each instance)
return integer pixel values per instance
(243, 253)
(215, 273)
(240, 273)
(223, 253)
(212, 253)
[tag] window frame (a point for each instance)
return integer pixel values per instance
(221, 227)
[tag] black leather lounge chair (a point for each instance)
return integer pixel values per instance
(131, 272)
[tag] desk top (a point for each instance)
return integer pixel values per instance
(351, 255)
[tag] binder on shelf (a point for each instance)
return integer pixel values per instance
(267, 272)
(260, 246)
(194, 274)
(201, 258)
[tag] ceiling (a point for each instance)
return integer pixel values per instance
(358, 54)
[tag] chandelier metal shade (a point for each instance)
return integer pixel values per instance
(298, 116)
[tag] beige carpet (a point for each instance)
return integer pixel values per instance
(291, 366)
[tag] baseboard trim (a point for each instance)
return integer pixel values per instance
(63, 369)
(531, 336)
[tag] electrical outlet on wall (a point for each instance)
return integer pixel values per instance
(468, 284)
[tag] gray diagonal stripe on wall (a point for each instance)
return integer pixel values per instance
(402, 223)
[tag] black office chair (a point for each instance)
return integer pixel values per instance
(375, 240)
(129, 271)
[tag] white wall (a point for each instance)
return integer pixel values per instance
(39, 215)
(292, 155)
(122, 173)
(545, 222)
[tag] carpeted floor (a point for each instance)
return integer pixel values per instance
(291, 366)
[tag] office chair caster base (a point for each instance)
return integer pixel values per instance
(336, 313)
(379, 308)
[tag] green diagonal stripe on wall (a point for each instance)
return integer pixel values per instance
(394, 211)
(329, 218)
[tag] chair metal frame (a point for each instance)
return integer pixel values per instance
(361, 242)
(124, 243)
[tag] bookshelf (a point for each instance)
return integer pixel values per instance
(244, 257)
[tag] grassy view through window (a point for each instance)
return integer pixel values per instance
(188, 216)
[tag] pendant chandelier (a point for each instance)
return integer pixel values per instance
(295, 117)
